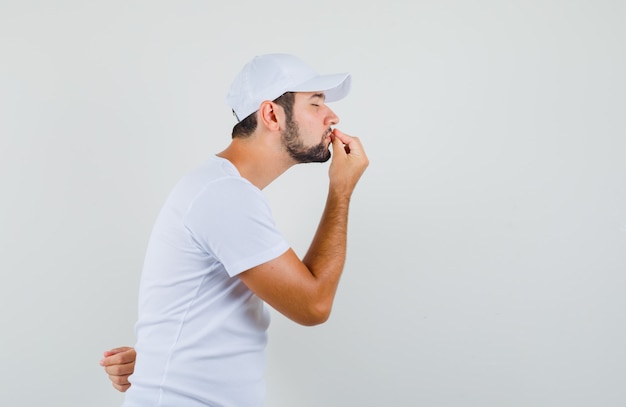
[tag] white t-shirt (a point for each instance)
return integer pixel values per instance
(201, 333)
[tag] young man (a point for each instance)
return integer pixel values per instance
(215, 256)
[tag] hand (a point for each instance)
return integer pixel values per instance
(119, 364)
(348, 163)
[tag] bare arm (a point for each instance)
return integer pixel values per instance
(304, 290)
(119, 364)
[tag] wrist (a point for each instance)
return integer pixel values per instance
(338, 198)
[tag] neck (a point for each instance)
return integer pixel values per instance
(257, 161)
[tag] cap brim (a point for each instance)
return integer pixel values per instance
(334, 86)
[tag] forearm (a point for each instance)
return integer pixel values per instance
(326, 256)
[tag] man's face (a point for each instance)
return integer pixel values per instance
(307, 133)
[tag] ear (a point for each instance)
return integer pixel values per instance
(269, 113)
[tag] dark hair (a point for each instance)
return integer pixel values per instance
(247, 126)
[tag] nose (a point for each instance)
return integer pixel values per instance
(331, 118)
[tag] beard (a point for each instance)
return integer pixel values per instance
(292, 141)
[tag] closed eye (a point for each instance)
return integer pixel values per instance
(317, 97)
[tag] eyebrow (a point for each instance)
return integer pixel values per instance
(318, 95)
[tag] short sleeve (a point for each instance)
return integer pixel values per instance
(231, 220)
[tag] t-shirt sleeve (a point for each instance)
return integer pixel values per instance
(231, 220)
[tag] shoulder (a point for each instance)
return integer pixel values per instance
(219, 190)
(218, 181)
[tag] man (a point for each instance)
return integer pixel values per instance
(215, 256)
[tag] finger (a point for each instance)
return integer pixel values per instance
(120, 370)
(343, 137)
(336, 140)
(113, 352)
(339, 145)
(121, 387)
(119, 380)
(351, 144)
(117, 350)
(122, 357)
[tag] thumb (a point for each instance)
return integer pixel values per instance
(340, 141)
(115, 351)
(107, 355)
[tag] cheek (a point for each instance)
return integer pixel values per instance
(311, 123)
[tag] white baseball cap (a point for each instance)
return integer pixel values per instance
(267, 77)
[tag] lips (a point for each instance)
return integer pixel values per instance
(328, 133)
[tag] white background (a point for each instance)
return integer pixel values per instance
(487, 247)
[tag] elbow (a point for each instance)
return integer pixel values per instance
(317, 314)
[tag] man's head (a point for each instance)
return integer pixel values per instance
(307, 130)
(267, 77)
